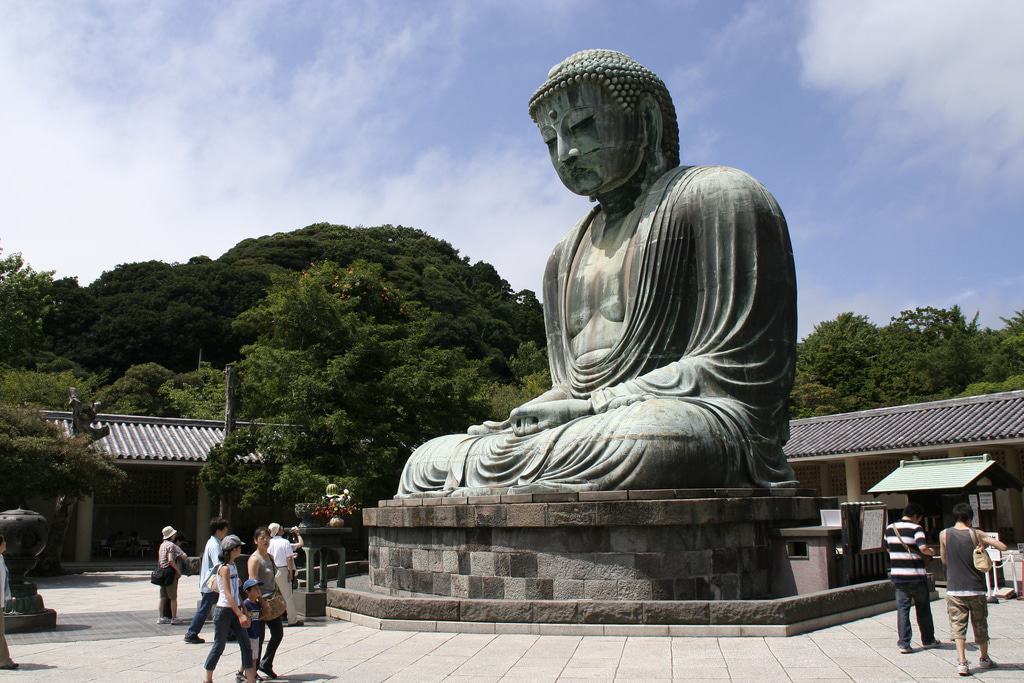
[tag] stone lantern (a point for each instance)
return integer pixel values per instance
(25, 532)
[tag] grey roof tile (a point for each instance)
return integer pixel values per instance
(144, 438)
(992, 417)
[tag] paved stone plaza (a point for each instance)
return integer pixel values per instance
(108, 632)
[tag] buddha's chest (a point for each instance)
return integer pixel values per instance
(597, 288)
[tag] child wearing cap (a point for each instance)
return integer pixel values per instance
(253, 606)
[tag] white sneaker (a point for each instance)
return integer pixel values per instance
(163, 620)
(177, 622)
(963, 669)
(986, 663)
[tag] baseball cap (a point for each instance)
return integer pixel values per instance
(230, 542)
(250, 583)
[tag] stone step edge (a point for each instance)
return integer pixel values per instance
(595, 496)
(765, 612)
(628, 630)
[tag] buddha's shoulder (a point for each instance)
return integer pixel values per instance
(716, 179)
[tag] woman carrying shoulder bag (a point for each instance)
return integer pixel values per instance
(261, 567)
(228, 616)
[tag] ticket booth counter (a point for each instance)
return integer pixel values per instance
(938, 485)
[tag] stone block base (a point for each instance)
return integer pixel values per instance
(626, 546)
(24, 623)
(312, 604)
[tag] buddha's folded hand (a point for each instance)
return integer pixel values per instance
(488, 427)
(536, 417)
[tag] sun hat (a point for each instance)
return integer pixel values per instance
(168, 532)
(274, 528)
(230, 542)
(250, 583)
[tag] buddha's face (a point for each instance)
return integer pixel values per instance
(594, 143)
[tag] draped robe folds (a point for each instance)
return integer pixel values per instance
(694, 392)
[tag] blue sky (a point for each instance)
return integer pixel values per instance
(892, 134)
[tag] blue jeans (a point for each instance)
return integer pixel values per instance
(913, 593)
(224, 622)
(206, 603)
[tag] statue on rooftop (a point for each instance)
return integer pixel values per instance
(670, 313)
(82, 417)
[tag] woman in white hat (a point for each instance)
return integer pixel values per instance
(167, 556)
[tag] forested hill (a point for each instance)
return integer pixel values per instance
(171, 314)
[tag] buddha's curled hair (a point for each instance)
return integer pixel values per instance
(625, 78)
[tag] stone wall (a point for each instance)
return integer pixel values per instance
(637, 545)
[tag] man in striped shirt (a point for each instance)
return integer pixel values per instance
(908, 554)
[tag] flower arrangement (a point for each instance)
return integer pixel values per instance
(329, 510)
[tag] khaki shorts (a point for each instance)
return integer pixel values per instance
(170, 592)
(960, 608)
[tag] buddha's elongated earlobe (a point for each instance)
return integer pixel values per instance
(652, 130)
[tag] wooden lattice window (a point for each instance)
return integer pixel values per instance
(143, 487)
(837, 475)
(873, 471)
(809, 476)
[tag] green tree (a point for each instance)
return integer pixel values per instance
(345, 358)
(24, 302)
(834, 367)
(49, 390)
(40, 461)
(928, 354)
(198, 394)
(138, 392)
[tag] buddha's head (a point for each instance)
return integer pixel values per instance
(608, 122)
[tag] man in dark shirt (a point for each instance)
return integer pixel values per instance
(908, 554)
(965, 585)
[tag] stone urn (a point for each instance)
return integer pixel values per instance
(25, 532)
(305, 513)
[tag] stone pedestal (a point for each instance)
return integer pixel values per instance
(614, 545)
(311, 597)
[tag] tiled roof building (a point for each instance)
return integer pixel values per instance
(846, 454)
(975, 421)
(162, 457)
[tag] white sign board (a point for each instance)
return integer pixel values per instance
(973, 500)
(985, 500)
(872, 524)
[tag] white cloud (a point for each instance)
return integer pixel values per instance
(932, 81)
(139, 132)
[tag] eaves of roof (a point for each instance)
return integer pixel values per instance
(973, 420)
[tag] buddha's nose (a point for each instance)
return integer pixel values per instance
(566, 153)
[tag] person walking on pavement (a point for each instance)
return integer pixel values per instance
(229, 617)
(261, 567)
(965, 586)
(208, 596)
(908, 556)
(5, 594)
(283, 552)
(167, 556)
